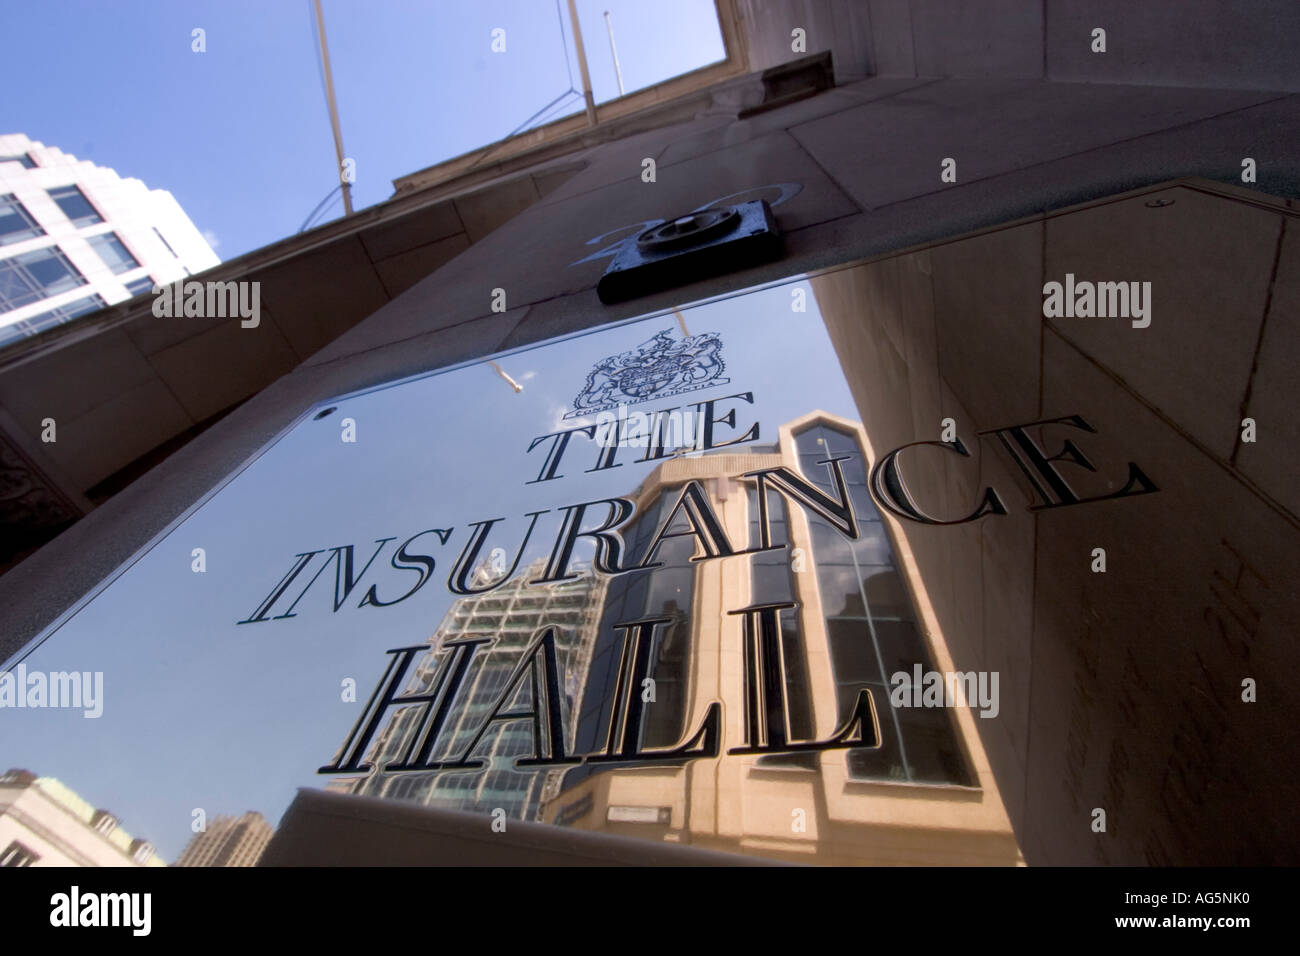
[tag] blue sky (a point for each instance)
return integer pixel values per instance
(240, 134)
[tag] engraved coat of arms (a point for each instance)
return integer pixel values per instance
(659, 367)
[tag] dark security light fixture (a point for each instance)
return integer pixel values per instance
(697, 245)
(689, 230)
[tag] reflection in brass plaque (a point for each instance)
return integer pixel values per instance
(650, 591)
(656, 580)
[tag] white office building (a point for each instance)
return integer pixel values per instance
(75, 237)
(43, 822)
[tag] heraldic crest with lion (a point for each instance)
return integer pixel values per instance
(659, 367)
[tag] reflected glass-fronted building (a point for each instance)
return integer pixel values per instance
(507, 617)
(847, 623)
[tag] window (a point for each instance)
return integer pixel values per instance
(871, 627)
(115, 255)
(26, 161)
(16, 223)
(46, 320)
(56, 316)
(34, 276)
(75, 206)
(16, 854)
(140, 286)
(141, 851)
(666, 591)
(772, 577)
(104, 822)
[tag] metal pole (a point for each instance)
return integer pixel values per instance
(582, 63)
(618, 71)
(334, 110)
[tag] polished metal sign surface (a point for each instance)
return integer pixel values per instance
(929, 559)
(647, 580)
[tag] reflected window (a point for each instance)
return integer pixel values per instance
(772, 581)
(665, 591)
(75, 206)
(140, 286)
(16, 854)
(56, 316)
(16, 223)
(871, 626)
(115, 255)
(36, 275)
(509, 617)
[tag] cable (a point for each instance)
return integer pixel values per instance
(559, 103)
(324, 213)
(319, 205)
(522, 126)
(528, 122)
(564, 43)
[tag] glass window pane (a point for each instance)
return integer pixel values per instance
(15, 288)
(816, 473)
(841, 591)
(798, 691)
(932, 754)
(91, 303)
(853, 656)
(53, 272)
(140, 286)
(900, 647)
(864, 506)
(872, 630)
(36, 275)
(115, 255)
(16, 223)
(664, 720)
(830, 547)
(853, 467)
(885, 763)
(839, 442)
(771, 582)
(886, 596)
(75, 205)
(58, 316)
